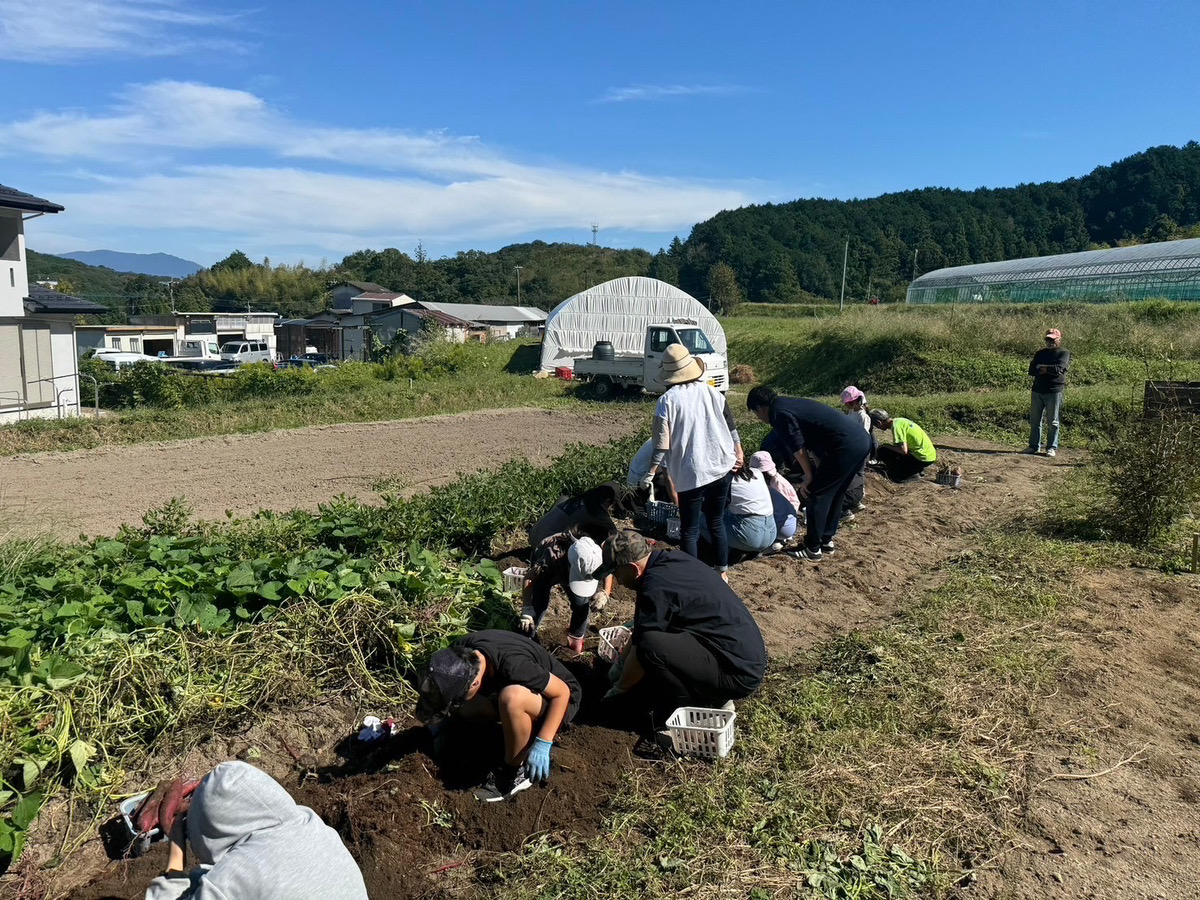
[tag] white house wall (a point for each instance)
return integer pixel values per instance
(66, 366)
(14, 278)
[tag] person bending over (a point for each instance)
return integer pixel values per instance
(694, 642)
(499, 676)
(253, 842)
(909, 452)
(565, 560)
(810, 429)
(589, 513)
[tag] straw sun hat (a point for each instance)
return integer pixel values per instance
(678, 366)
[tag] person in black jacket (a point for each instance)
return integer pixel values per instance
(829, 448)
(1049, 370)
(694, 642)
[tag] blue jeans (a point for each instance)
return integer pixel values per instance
(1048, 405)
(751, 534)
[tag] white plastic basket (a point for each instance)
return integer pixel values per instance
(128, 808)
(697, 731)
(659, 511)
(514, 579)
(674, 528)
(613, 641)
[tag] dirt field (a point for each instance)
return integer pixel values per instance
(94, 491)
(1134, 686)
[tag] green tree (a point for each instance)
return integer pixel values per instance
(723, 292)
(234, 262)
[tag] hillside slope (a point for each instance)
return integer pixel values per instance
(783, 252)
(161, 264)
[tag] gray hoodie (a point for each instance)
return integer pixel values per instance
(254, 843)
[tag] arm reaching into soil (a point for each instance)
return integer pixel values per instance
(559, 697)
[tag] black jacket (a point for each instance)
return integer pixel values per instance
(1055, 377)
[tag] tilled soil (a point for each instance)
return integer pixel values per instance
(94, 491)
(415, 827)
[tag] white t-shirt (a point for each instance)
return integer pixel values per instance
(750, 498)
(701, 446)
(640, 464)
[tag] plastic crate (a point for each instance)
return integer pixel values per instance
(613, 641)
(514, 579)
(128, 808)
(697, 731)
(659, 511)
(674, 528)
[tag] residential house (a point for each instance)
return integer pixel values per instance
(354, 303)
(39, 375)
(384, 326)
(504, 322)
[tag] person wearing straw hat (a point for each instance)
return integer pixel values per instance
(1049, 370)
(695, 437)
(499, 676)
(694, 642)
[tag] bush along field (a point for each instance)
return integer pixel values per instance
(150, 402)
(965, 368)
(173, 631)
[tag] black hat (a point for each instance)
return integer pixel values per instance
(445, 683)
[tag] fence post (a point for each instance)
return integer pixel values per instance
(1196, 554)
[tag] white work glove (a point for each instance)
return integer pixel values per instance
(599, 600)
(647, 481)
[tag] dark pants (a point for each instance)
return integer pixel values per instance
(710, 501)
(900, 466)
(826, 495)
(855, 492)
(681, 671)
(539, 602)
(784, 461)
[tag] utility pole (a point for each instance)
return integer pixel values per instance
(914, 278)
(518, 269)
(870, 278)
(845, 259)
(171, 292)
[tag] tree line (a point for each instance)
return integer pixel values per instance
(769, 253)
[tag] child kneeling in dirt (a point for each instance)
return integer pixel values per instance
(499, 676)
(569, 562)
(694, 642)
(253, 842)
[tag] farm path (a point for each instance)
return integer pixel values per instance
(94, 491)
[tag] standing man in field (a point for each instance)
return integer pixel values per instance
(1049, 371)
(829, 448)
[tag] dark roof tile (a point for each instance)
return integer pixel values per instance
(14, 199)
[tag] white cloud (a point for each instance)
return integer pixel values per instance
(67, 30)
(667, 91)
(202, 159)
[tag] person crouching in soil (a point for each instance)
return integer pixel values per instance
(253, 842)
(910, 451)
(499, 676)
(694, 642)
(569, 562)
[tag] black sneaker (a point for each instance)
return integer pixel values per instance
(828, 549)
(805, 553)
(503, 783)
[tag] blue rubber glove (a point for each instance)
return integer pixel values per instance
(537, 763)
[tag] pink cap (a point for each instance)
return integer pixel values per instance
(850, 394)
(1054, 335)
(763, 462)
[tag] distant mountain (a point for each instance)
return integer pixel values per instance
(160, 264)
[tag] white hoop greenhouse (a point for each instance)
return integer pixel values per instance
(1169, 270)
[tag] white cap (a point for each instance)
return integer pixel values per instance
(585, 557)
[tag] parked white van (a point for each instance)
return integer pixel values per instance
(246, 352)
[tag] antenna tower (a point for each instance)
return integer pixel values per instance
(595, 228)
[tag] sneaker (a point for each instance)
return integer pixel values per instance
(805, 553)
(1052, 452)
(1030, 451)
(503, 783)
(575, 643)
(848, 516)
(775, 547)
(527, 626)
(861, 507)
(828, 549)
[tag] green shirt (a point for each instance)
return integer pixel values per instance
(906, 431)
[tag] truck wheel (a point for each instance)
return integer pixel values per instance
(603, 387)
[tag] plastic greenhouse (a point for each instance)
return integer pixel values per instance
(1169, 270)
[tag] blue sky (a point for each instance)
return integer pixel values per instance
(307, 130)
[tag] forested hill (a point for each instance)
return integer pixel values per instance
(792, 252)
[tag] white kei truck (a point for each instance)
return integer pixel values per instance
(641, 372)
